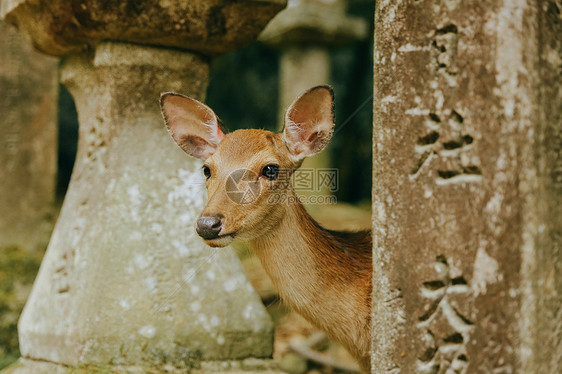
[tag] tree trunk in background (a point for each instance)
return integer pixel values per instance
(28, 149)
(467, 187)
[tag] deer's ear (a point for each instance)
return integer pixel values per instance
(309, 122)
(193, 125)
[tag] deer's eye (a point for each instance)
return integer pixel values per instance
(207, 172)
(270, 171)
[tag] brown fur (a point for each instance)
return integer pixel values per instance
(324, 275)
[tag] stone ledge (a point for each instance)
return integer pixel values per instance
(313, 24)
(249, 365)
(210, 27)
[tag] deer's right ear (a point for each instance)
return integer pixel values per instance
(193, 125)
(309, 122)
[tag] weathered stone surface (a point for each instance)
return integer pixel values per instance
(125, 280)
(28, 149)
(247, 366)
(60, 27)
(467, 187)
(314, 22)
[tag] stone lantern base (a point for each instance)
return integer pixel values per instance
(250, 366)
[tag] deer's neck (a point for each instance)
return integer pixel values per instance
(290, 255)
(317, 274)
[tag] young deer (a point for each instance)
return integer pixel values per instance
(324, 275)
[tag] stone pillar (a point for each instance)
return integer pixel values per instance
(305, 32)
(28, 150)
(467, 187)
(125, 280)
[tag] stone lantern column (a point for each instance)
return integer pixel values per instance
(125, 281)
(305, 32)
(467, 187)
(28, 142)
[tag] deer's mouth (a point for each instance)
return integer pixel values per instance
(221, 240)
(232, 235)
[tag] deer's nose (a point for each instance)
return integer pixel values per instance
(208, 227)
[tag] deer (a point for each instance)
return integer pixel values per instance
(324, 275)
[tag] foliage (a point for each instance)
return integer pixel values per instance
(17, 272)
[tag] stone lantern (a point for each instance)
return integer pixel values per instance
(305, 32)
(125, 281)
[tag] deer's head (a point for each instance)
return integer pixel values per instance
(248, 171)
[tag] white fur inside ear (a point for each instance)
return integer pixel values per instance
(294, 127)
(292, 132)
(215, 134)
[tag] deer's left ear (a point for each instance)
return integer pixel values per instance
(309, 122)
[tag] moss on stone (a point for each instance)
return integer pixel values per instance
(17, 272)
